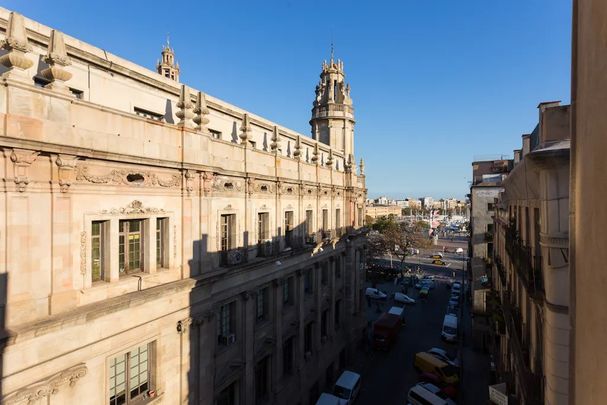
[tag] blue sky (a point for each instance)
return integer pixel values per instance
(436, 83)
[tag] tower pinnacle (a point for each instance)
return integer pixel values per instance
(332, 113)
(167, 66)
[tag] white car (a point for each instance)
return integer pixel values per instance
(403, 298)
(375, 294)
(328, 399)
(443, 355)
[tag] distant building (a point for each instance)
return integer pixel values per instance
(427, 202)
(376, 210)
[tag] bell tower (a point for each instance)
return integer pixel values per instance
(167, 66)
(333, 114)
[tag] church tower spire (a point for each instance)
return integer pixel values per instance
(167, 66)
(332, 113)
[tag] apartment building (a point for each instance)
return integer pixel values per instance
(531, 264)
(160, 245)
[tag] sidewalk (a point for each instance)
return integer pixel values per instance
(475, 366)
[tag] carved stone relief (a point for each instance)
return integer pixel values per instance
(66, 164)
(135, 207)
(22, 160)
(127, 177)
(47, 387)
(227, 184)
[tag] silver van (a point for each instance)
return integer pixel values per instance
(347, 386)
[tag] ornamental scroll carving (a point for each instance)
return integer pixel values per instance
(127, 177)
(221, 183)
(135, 207)
(47, 387)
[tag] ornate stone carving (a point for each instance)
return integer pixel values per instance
(17, 46)
(82, 252)
(47, 387)
(361, 167)
(207, 182)
(66, 164)
(264, 187)
(200, 113)
(275, 145)
(244, 130)
(315, 159)
(135, 207)
(297, 150)
(22, 160)
(329, 161)
(185, 113)
(127, 177)
(221, 183)
(57, 59)
(189, 180)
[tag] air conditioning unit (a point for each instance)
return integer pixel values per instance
(231, 339)
(235, 257)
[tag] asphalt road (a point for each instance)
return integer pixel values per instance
(387, 376)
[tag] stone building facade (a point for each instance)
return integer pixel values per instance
(531, 265)
(160, 244)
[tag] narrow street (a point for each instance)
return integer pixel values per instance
(388, 375)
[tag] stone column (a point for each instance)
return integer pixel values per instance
(149, 256)
(113, 268)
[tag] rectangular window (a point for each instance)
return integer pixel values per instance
(360, 217)
(262, 381)
(288, 228)
(287, 356)
(162, 227)
(338, 221)
(130, 246)
(308, 338)
(130, 374)
(262, 304)
(227, 235)
(308, 281)
(324, 273)
(148, 114)
(490, 228)
(227, 323)
(325, 219)
(287, 287)
(263, 226)
(98, 250)
(337, 313)
(490, 207)
(215, 134)
(309, 224)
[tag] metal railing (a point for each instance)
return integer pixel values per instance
(527, 266)
(530, 382)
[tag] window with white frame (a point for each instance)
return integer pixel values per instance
(162, 254)
(98, 245)
(262, 304)
(227, 322)
(288, 228)
(227, 235)
(130, 246)
(130, 375)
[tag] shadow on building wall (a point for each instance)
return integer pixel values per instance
(223, 363)
(3, 330)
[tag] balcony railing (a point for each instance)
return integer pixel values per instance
(527, 266)
(530, 382)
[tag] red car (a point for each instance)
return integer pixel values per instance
(449, 389)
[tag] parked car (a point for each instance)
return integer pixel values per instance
(423, 293)
(429, 283)
(443, 355)
(432, 378)
(375, 294)
(403, 298)
(398, 311)
(425, 362)
(437, 390)
(437, 255)
(347, 386)
(454, 302)
(328, 399)
(449, 332)
(419, 395)
(452, 310)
